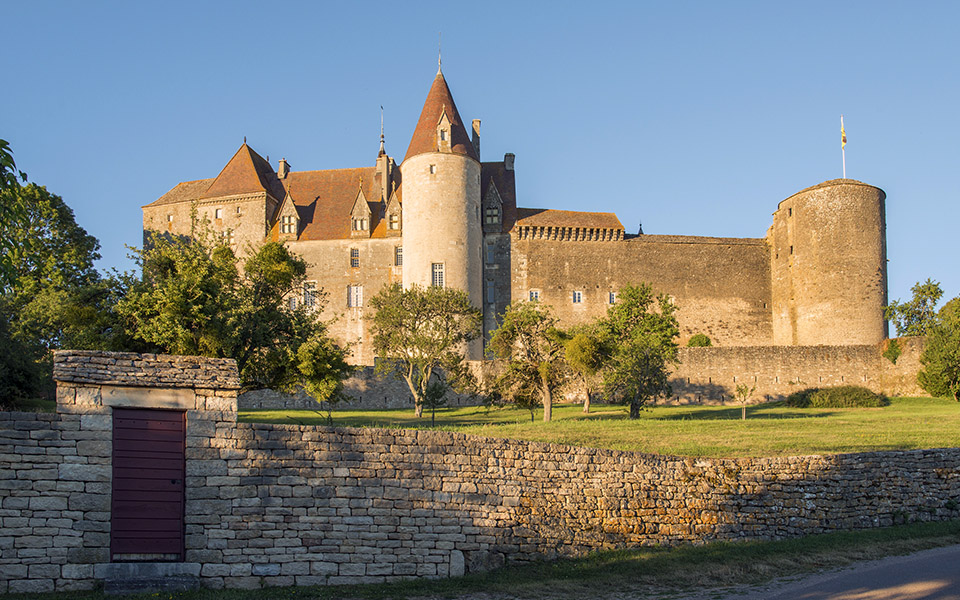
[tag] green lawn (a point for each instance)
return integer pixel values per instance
(715, 431)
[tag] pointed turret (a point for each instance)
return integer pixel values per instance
(427, 137)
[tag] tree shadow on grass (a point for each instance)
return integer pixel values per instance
(735, 411)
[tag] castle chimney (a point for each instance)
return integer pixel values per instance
(476, 136)
(508, 159)
(283, 169)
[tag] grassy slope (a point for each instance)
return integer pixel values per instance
(717, 431)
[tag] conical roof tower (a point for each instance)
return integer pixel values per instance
(439, 103)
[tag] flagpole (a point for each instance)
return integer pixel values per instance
(843, 147)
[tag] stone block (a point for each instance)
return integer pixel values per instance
(30, 586)
(48, 503)
(78, 472)
(71, 571)
(214, 570)
(95, 422)
(353, 569)
(457, 566)
(295, 568)
(265, 569)
(324, 568)
(89, 502)
(43, 571)
(102, 448)
(242, 583)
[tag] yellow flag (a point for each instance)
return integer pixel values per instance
(843, 136)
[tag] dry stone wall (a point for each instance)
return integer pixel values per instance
(287, 504)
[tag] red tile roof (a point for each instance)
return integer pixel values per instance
(324, 200)
(542, 217)
(187, 191)
(247, 172)
(425, 135)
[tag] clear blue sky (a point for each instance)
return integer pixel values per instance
(693, 117)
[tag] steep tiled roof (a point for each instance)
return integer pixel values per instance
(324, 200)
(425, 135)
(541, 217)
(247, 172)
(183, 192)
(499, 175)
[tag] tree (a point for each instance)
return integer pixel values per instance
(917, 315)
(585, 355)
(420, 335)
(643, 346)
(699, 340)
(322, 366)
(532, 347)
(192, 299)
(11, 210)
(940, 375)
(743, 393)
(53, 296)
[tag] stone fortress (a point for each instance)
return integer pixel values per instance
(445, 217)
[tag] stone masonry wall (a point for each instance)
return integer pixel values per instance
(287, 504)
(710, 375)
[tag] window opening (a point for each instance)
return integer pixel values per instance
(354, 257)
(577, 297)
(355, 296)
(437, 275)
(398, 256)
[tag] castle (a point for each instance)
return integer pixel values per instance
(445, 217)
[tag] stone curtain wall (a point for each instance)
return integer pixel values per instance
(711, 375)
(287, 504)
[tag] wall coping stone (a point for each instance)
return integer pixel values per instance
(144, 370)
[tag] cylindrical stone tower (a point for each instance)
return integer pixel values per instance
(829, 265)
(440, 176)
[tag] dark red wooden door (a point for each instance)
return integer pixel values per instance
(148, 473)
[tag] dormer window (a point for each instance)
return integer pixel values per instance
(394, 222)
(360, 224)
(443, 135)
(288, 224)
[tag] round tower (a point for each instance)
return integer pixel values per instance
(829, 265)
(440, 174)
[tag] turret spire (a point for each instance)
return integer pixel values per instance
(382, 151)
(439, 53)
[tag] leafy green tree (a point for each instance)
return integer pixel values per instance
(420, 335)
(585, 355)
(699, 340)
(11, 211)
(534, 352)
(53, 295)
(940, 375)
(915, 316)
(643, 346)
(322, 366)
(192, 299)
(743, 393)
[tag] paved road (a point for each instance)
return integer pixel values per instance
(927, 575)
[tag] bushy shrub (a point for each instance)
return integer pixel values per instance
(699, 340)
(844, 396)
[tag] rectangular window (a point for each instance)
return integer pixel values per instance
(577, 297)
(534, 295)
(613, 297)
(491, 292)
(288, 224)
(354, 257)
(443, 135)
(218, 213)
(491, 215)
(433, 169)
(490, 254)
(398, 256)
(394, 221)
(359, 224)
(169, 218)
(292, 302)
(437, 275)
(309, 294)
(354, 296)
(227, 236)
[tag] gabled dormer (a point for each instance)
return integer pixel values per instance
(360, 216)
(288, 220)
(492, 209)
(444, 132)
(394, 215)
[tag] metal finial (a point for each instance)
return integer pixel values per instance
(244, 139)
(439, 52)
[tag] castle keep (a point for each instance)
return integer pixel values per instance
(443, 216)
